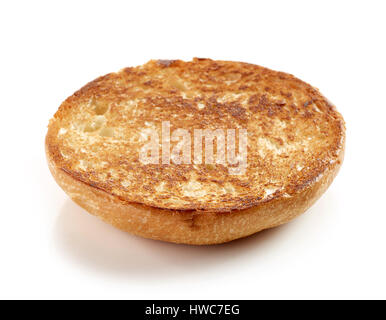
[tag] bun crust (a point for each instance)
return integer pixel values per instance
(190, 226)
(289, 167)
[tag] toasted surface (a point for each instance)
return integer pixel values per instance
(295, 135)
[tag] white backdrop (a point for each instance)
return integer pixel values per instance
(50, 248)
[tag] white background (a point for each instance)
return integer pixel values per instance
(51, 248)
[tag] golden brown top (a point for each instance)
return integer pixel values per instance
(294, 133)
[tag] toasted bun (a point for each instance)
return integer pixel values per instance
(295, 148)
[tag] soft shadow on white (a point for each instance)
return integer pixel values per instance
(96, 245)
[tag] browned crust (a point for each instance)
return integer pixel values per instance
(191, 226)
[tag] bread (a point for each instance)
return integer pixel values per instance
(295, 147)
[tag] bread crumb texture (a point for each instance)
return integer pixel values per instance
(295, 135)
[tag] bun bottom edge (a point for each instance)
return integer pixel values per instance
(190, 227)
